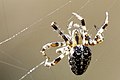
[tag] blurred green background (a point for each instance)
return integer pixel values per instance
(21, 53)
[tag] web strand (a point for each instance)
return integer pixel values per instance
(12, 58)
(31, 70)
(38, 21)
(110, 8)
(13, 65)
(80, 8)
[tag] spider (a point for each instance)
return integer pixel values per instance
(75, 45)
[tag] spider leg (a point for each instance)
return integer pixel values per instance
(81, 19)
(54, 25)
(64, 52)
(69, 27)
(99, 37)
(49, 45)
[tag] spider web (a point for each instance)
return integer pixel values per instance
(34, 23)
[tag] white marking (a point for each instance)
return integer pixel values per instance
(81, 67)
(85, 53)
(82, 48)
(81, 62)
(82, 56)
(76, 25)
(78, 53)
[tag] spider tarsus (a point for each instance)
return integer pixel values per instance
(106, 21)
(106, 13)
(78, 16)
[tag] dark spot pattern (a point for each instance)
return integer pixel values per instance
(80, 59)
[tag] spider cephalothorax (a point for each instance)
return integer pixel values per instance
(75, 45)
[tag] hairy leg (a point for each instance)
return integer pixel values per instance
(64, 51)
(49, 45)
(99, 37)
(55, 27)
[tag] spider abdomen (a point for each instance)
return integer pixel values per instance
(80, 59)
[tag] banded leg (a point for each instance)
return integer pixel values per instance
(81, 19)
(99, 37)
(64, 52)
(54, 25)
(49, 45)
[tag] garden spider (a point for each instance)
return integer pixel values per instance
(75, 45)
